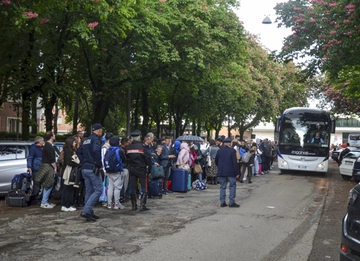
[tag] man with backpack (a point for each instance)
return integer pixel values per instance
(113, 168)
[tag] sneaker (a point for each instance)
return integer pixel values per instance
(51, 204)
(223, 205)
(65, 209)
(119, 206)
(72, 208)
(109, 206)
(47, 205)
(104, 204)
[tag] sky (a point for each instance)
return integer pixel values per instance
(253, 12)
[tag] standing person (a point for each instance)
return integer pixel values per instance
(67, 196)
(79, 137)
(124, 192)
(249, 165)
(183, 158)
(90, 155)
(104, 148)
(212, 173)
(46, 173)
(114, 172)
(266, 156)
(228, 171)
(79, 190)
(219, 142)
(139, 163)
(243, 148)
(34, 162)
(168, 153)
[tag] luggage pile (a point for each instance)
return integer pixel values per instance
(156, 181)
(21, 190)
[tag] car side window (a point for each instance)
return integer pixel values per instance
(351, 156)
(10, 152)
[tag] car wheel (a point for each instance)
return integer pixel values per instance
(345, 177)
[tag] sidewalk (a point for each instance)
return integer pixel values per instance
(33, 233)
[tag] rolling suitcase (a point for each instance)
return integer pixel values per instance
(179, 180)
(189, 185)
(155, 188)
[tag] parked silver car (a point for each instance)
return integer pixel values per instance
(13, 156)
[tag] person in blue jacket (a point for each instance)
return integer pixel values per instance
(34, 161)
(90, 156)
(228, 172)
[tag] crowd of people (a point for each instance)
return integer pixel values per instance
(85, 165)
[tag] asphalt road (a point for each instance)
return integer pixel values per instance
(282, 217)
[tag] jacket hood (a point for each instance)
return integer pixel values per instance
(184, 145)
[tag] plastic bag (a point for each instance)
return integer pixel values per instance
(103, 197)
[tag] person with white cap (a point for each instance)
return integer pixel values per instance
(139, 164)
(228, 171)
(90, 156)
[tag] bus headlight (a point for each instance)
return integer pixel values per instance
(283, 163)
(321, 165)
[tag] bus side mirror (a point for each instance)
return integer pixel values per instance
(277, 125)
(333, 125)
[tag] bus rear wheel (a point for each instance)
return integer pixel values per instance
(346, 177)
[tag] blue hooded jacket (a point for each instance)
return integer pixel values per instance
(35, 157)
(177, 147)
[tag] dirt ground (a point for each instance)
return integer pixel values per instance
(31, 233)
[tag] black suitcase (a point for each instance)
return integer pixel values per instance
(17, 198)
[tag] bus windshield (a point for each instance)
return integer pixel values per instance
(305, 133)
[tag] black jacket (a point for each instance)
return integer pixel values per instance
(89, 152)
(138, 157)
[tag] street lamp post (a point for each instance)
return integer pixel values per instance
(267, 20)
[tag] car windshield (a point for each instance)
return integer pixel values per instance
(305, 133)
(352, 155)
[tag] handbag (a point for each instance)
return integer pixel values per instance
(197, 168)
(103, 197)
(185, 166)
(157, 172)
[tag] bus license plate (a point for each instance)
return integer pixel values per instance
(302, 167)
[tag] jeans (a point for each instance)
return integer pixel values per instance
(232, 189)
(116, 181)
(93, 189)
(46, 195)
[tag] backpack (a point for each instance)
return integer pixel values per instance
(21, 182)
(246, 157)
(112, 160)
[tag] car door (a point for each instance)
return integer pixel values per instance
(12, 162)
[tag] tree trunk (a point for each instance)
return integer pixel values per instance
(76, 113)
(49, 105)
(56, 115)
(145, 111)
(34, 127)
